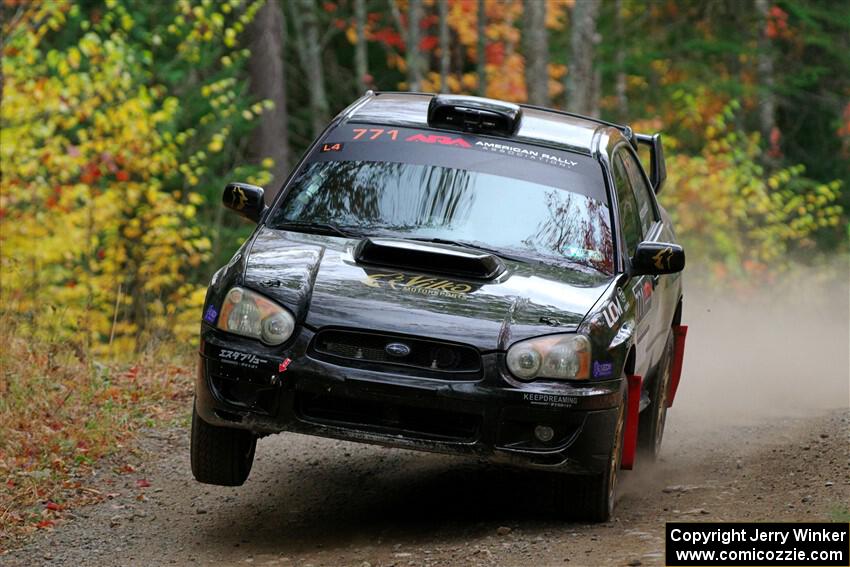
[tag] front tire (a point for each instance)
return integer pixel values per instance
(653, 419)
(221, 455)
(591, 497)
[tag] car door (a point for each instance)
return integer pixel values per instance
(639, 289)
(654, 290)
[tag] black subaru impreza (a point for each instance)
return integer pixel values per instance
(451, 274)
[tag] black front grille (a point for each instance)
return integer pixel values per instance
(388, 417)
(358, 347)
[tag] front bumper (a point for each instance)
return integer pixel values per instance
(244, 384)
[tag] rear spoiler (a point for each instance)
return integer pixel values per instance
(657, 165)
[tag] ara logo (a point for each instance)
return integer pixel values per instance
(435, 139)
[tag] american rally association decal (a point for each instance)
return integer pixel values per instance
(517, 151)
(424, 285)
(550, 400)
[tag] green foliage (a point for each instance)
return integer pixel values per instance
(102, 242)
(732, 214)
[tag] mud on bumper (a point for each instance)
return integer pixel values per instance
(242, 384)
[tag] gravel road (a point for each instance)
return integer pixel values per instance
(747, 440)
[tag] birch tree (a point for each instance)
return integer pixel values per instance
(309, 49)
(361, 58)
(414, 57)
(482, 48)
(445, 49)
(764, 58)
(581, 76)
(536, 53)
(268, 82)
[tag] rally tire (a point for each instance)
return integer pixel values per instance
(221, 455)
(591, 498)
(654, 418)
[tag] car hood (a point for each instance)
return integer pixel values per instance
(318, 278)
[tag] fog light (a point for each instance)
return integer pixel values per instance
(544, 433)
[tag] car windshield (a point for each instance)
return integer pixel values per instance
(525, 218)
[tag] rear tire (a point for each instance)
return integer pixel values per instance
(653, 419)
(591, 497)
(221, 455)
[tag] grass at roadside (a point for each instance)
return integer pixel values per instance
(61, 413)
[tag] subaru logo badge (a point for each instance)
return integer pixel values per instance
(397, 349)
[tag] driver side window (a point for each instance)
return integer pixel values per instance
(627, 205)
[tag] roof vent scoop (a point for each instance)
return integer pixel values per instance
(429, 258)
(474, 114)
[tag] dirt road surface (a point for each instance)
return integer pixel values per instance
(760, 431)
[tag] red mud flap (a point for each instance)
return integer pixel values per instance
(630, 435)
(679, 334)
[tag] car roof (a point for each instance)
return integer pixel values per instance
(537, 126)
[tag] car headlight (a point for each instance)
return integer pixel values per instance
(560, 357)
(251, 315)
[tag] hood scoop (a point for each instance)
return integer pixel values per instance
(429, 258)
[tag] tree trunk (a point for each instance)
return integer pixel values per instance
(620, 87)
(268, 81)
(482, 48)
(309, 49)
(767, 82)
(536, 53)
(445, 54)
(361, 60)
(414, 58)
(581, 76)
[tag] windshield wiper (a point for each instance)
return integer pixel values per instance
(315, 227)
(472, 246)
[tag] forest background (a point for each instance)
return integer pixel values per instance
(121, 122)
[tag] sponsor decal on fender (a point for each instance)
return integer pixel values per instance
(424, 285)
(210, 315)
(643, 298)
(602, 369)
(284, 365)
(612, 311)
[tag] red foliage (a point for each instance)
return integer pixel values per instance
(122, 175)
(388, 37)
(428, 43)
(91, 173)
(777, 24)
(775, 140)
(495, 53)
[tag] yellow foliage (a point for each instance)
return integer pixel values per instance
(730, 212)
(93, 249)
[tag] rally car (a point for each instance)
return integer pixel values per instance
(451, 274)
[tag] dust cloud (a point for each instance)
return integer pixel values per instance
(782, 351)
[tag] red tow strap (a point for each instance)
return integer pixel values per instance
(630, 435)
(679, 334)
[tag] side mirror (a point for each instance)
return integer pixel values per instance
(245, 199)
(656, 258)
